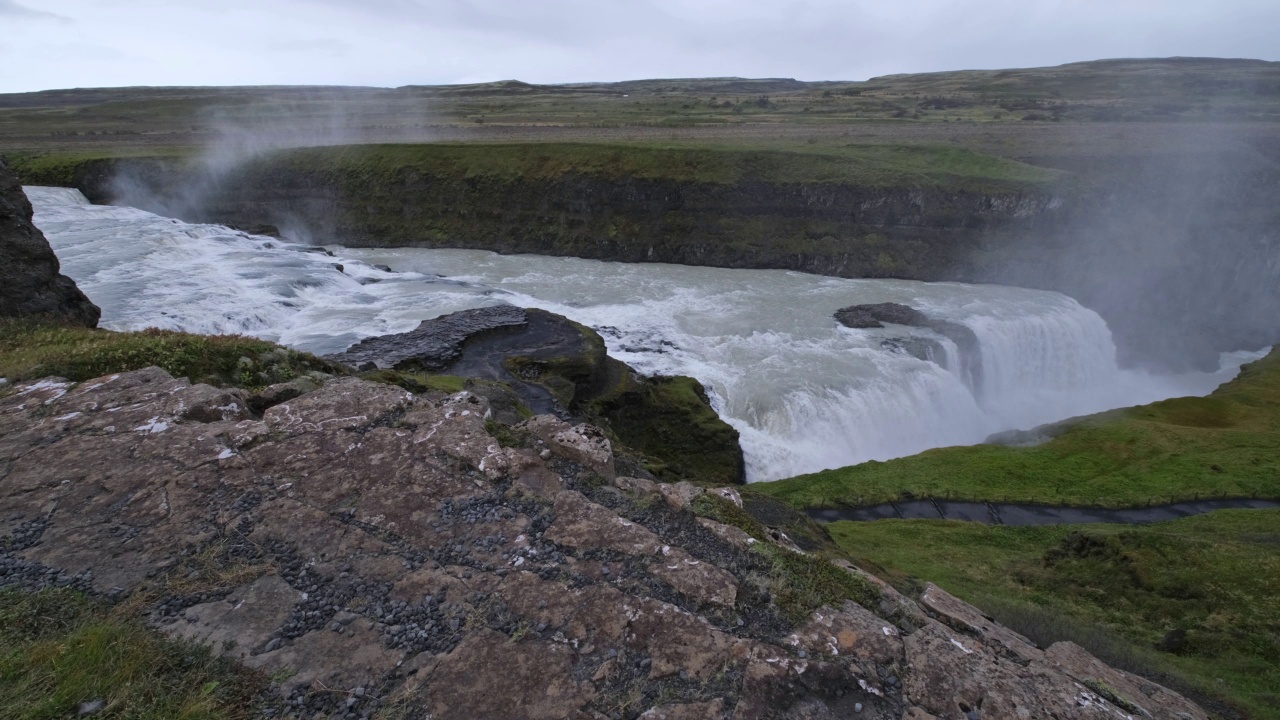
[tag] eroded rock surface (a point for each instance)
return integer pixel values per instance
(30, 282)
(368, 547)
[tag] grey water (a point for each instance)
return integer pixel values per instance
(804, 392)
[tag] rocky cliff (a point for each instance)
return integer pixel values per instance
(726, 209)
(368, 549)
(30, 283)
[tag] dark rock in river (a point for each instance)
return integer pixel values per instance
(30, 283)
(261, 230)
(556, 366)
(875, 315)
(921, 348)
(434, 344)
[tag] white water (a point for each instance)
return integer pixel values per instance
(805, 392)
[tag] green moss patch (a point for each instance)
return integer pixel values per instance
(416, 382)
(670, 420)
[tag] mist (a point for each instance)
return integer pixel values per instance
(239, 132)
(1176, 246)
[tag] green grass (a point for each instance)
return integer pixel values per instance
(416, 382)
(865, 165)
(59, 649)
(1223, 445)
(719, 162)
(1116, 590)
(30, 350)
(1154, 90)
(801, 584)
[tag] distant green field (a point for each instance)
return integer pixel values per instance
(854, 164)
(1223, 445)
(722, 162)
(1117, 590)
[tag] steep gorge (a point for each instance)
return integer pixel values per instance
(1157, 246)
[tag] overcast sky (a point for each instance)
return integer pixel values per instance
(48, 44)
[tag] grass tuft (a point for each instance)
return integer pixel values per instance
(31, 350)
(801, 584)
(59, 649)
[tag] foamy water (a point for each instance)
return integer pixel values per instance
(804, 392)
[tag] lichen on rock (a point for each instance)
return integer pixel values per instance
(367, 547)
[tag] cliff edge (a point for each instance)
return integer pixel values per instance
(369, 549)
(30, 283)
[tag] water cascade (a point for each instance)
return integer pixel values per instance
(805, 392)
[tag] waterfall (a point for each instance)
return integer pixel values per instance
(804, 392)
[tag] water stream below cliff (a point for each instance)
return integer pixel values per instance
(805, 392)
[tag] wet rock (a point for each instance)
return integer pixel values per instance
(554, 366)
(434, 344)
(30, 282)
(875, 315)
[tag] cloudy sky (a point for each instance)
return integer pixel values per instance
(94, 43)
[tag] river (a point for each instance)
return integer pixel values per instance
(804, 392)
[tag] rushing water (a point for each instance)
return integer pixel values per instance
(805, 392)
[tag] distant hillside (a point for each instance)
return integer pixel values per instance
(1174, 90)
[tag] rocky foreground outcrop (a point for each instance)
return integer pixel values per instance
(366, 547)
(526, 361)
(30, 283)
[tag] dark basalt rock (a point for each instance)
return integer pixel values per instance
(921, 348)
(434, 344)
(875, 315)
(30, 283)
(556, 366)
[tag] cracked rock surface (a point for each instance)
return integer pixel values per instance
(366, 547)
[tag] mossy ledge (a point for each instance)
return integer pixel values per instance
(530, 361)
